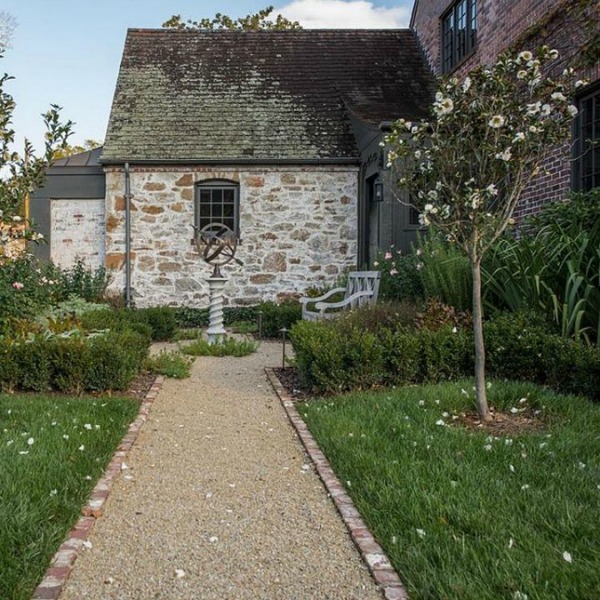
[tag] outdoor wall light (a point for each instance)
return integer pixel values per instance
(378, 190)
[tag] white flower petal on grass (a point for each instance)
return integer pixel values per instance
(567, 557)
(81, 448)
(53, 492)
(24, 452)
(464, 392)
(487, 447)
(520, 596)
(511, 543)
(65, 437)
(440, 422)
(30, 441)
(582, 465)
(88, 477)
(10, 442)
(421, 533)
(179, 573)
(512, 468)
(525, 487)
(394, 539)
(88, 426)
(421, 402)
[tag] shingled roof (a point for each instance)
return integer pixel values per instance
(264, 95)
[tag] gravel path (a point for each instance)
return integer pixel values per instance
(219, 502)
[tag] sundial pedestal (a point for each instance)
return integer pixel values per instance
(216, 330)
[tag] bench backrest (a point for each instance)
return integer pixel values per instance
(363, 281)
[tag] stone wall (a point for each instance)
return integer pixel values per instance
(77, 231)
(298, 227)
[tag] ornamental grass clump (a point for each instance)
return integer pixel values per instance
(466, 168)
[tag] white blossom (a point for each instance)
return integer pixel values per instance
(496, 121)
(572, 110)
(519, 137)
(558, 97)
(525, 55)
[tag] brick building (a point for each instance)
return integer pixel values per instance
(457, 35)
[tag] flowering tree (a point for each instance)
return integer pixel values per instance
(466, 168)
(22, 174)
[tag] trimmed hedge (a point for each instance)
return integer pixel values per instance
(158, 322)
(332, 357)
(72, 365)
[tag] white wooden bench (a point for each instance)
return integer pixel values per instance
(362, 288)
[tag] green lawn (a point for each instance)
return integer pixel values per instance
(52, 451)
(464, 515)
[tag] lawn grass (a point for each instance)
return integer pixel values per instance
(53, 449)
(465, 515)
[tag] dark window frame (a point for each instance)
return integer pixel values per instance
(211, 197)
(456, 45)
(586, 155)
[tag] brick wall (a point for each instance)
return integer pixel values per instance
(77, 231)
(522, 24)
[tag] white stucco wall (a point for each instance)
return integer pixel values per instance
(298, 227)
(77, 230)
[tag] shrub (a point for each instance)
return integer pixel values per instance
(169, 363)
(160, 318)
(446, 273)
(400, 276)
(72, 364)
(277, 316)
(437, 315)
(78, 281)
(374, 317)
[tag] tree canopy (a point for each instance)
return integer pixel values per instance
(252, 22)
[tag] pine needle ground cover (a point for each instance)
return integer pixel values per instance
(468, 513)
(53, 449)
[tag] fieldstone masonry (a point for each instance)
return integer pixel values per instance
(298, 228)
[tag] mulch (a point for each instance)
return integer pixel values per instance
(292, 383)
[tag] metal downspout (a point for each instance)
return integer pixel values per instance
(127, 237)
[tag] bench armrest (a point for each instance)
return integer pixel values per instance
(330, 293)
(323, 306)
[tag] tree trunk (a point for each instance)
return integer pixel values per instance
(480, 391)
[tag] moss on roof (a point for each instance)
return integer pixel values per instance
(192, 95)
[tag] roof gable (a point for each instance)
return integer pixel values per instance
(265, 95)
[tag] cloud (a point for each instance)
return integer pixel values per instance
(346, 14)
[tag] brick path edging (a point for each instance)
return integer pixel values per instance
(63, 561)
(371, 552)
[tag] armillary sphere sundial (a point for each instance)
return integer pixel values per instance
(217, 244)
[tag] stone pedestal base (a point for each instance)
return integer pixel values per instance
(216, 330)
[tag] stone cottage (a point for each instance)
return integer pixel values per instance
(274, 133)
(457, 35)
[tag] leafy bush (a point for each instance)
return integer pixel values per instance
(554, 267)
(386, 315)
(333, 357)
(80, 281)
(72, 364)
(277, 316)
(446, 273)
(400, 276)
(227, 347)
(169, 363)
(158, 322)
(437, 315)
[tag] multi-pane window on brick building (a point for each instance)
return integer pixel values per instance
(459, 33)
(587, 143)
(217, 202)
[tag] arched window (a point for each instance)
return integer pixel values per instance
(217, 201)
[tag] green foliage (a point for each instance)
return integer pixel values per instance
(44, 485)
(277, 316)
(400, 276)
(245, 327)
(383, 315)
(334, 356)
(227, 347)
(554, 269)
(158, 322)
(78, 281)
(188, 317)
(72, 363)
(169, 363)
(446, 273)
(251, 22)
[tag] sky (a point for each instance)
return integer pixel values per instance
(67, 52)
